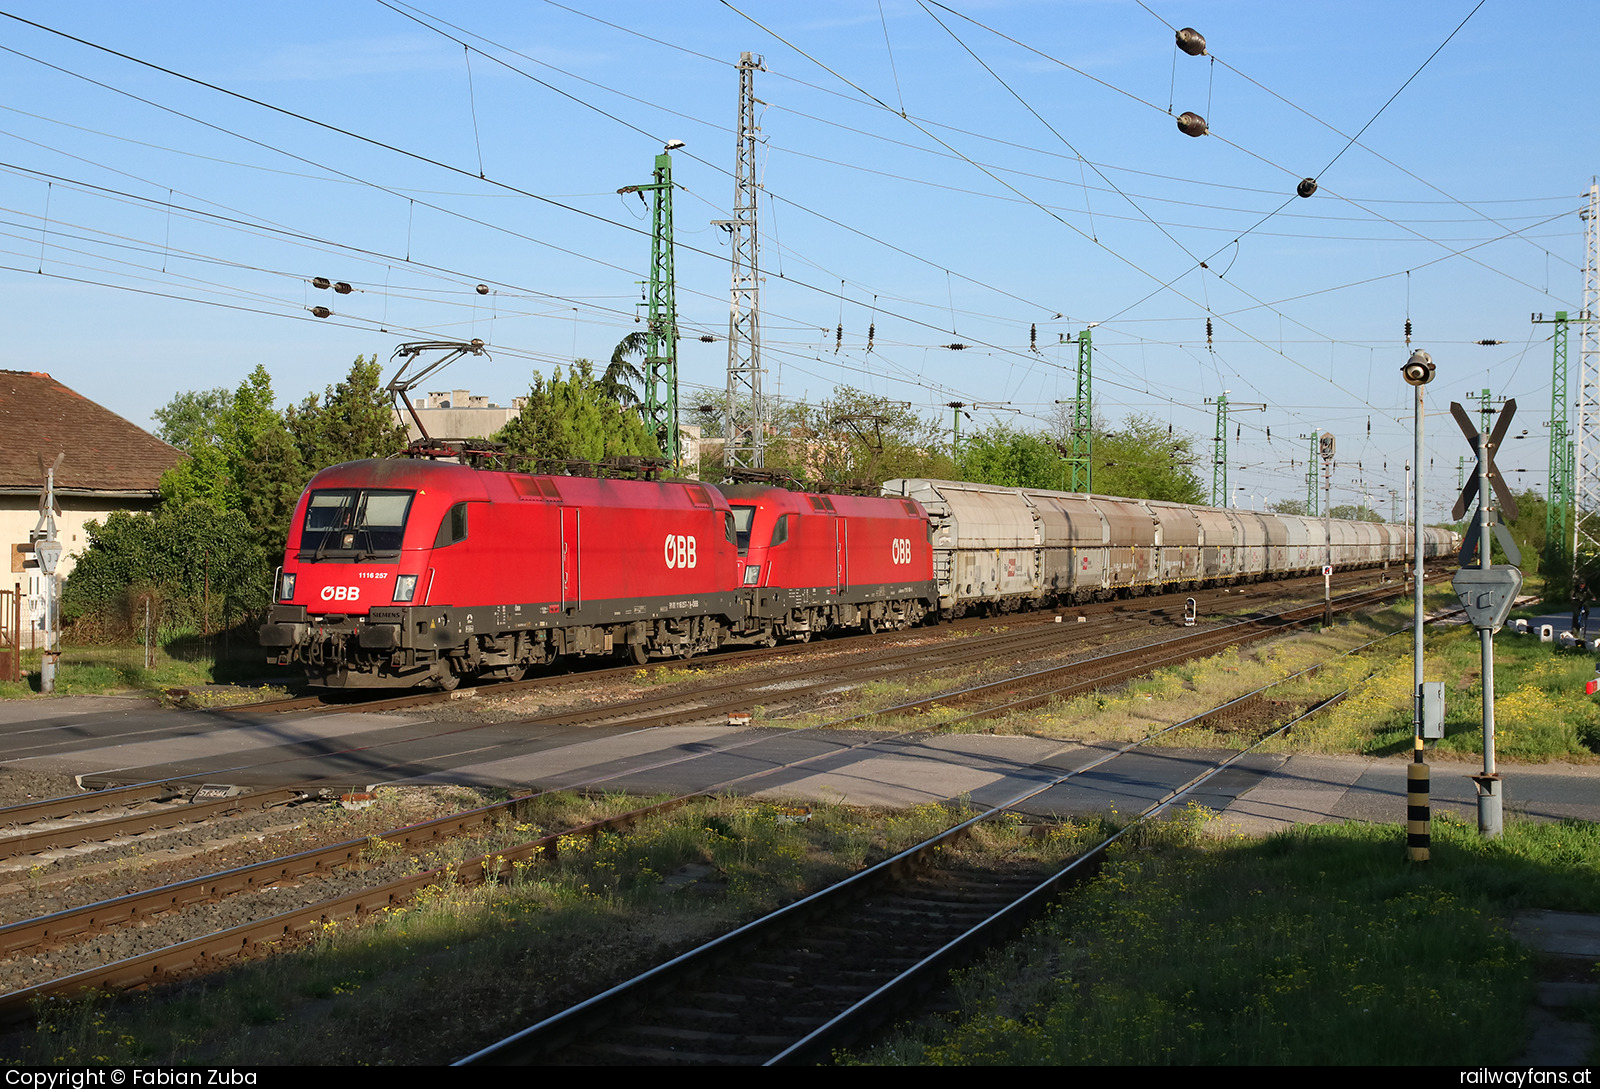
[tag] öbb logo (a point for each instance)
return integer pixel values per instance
(341, 593)
(901, 550)
(679, 551)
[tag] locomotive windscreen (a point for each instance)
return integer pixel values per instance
(742, 517)
(364, 521)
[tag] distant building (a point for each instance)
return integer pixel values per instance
(457, 415)
(110, 465)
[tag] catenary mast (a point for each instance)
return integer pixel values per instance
(745, 433)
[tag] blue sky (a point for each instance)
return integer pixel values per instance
(177, 227)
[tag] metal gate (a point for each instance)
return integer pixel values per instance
(11, 634)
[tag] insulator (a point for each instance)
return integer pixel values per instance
(1369, 427)
(1169, 429)
(342, 288)
(322, 311)
(482, 289)
(955, 347)
(1192, 42)
(707, 338)
(872, 331)
(1306, 187)
(322, 283)
(1208, 332)
(838, 338)
(1033, 337)
(1408, 332)
(1237, 432)
(1269, 434)
(1191, 124)
(1491, 342)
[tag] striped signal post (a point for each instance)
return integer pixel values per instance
(1418, 372)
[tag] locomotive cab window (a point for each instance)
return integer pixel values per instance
(354, 524)
(453, 527)
(780, 531)
(742, 517)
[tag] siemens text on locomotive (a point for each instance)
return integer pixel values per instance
(414, 572)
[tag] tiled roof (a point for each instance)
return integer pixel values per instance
(41, 417)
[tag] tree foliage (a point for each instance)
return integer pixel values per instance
(571, 418)
(225, 510)
(353, 420)
(198, 567)
(1143, 459)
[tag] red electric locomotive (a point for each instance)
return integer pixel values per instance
(815, 562)
(416, 572)
(407, 572)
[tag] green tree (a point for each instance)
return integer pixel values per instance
(199, 568)
(1349, 512)
(353, 420)
(860, 437)
(571, 418)
(1000, 454)
(1147, 459)
(623, 380)
(1289, 506)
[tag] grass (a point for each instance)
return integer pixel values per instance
(1316, 946)
(1541, 711)
(477, 962)
(99, 670)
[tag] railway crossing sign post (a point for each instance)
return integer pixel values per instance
(1488, 590)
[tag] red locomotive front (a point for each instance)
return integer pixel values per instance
(403, 572)
(824, 561)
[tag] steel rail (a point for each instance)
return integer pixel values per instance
(846, 1027)
(161, 964)
(31, 843)
(69, 805)
(539, 1040)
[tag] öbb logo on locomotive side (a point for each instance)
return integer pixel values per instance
(901, 550)
(679, 551)
(341, 593)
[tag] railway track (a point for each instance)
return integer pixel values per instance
(822, 973)
(253, 937)
(72, 925)
(1165, 606)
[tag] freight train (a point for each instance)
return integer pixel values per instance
(406, 572)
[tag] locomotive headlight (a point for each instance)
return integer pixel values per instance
(405, 587)
(286, 586)
(752, 574)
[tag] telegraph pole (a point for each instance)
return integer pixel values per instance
(745, 434)
(661, 347)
